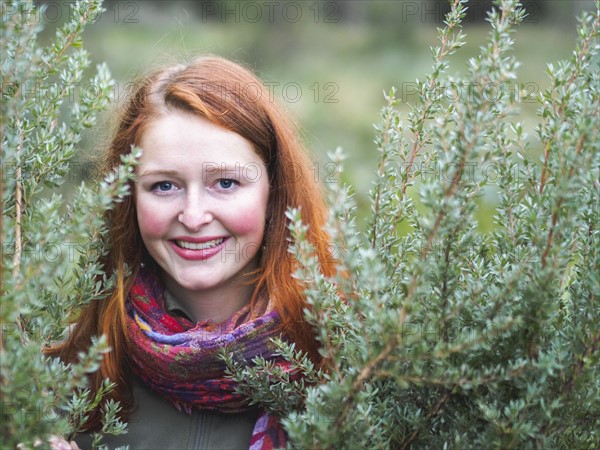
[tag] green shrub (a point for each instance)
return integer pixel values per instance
(50, 246)
(441, 336)
(445, 336)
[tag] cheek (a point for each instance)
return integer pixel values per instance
(247, 222)
(248, 216)
(151, 223)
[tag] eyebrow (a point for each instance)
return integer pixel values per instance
(210, 169)
(158, 172)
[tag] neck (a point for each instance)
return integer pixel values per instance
(216, 305)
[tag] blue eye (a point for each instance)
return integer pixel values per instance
(162, 186)
(226, 183)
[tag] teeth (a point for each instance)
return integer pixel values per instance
(199, 246)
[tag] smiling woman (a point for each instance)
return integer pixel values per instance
(200, 255)
(207, 236)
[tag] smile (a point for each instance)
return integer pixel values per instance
(198, 251)
(199, 245)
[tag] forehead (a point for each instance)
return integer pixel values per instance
(188, 139)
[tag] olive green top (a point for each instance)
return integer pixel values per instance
(156, 424)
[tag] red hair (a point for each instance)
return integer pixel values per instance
(231, 97)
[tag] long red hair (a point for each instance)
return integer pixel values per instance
(229, 96)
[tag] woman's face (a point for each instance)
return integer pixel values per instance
(201, 200)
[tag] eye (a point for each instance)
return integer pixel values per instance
(162, 186)
(227, 184)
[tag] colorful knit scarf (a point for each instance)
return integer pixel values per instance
(180, 360)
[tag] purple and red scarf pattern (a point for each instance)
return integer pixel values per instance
(180, 359)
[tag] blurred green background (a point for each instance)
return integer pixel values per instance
(328, 62)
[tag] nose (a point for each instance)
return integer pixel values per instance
(196, 212)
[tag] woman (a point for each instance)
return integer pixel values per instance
(200, 255)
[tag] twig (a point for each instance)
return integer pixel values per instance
(434, 411)
(381, 171)
(367, 372)
(418, 143)
(554, 219)
(560, 112)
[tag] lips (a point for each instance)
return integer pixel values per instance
(199, 245)
(198, 249)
